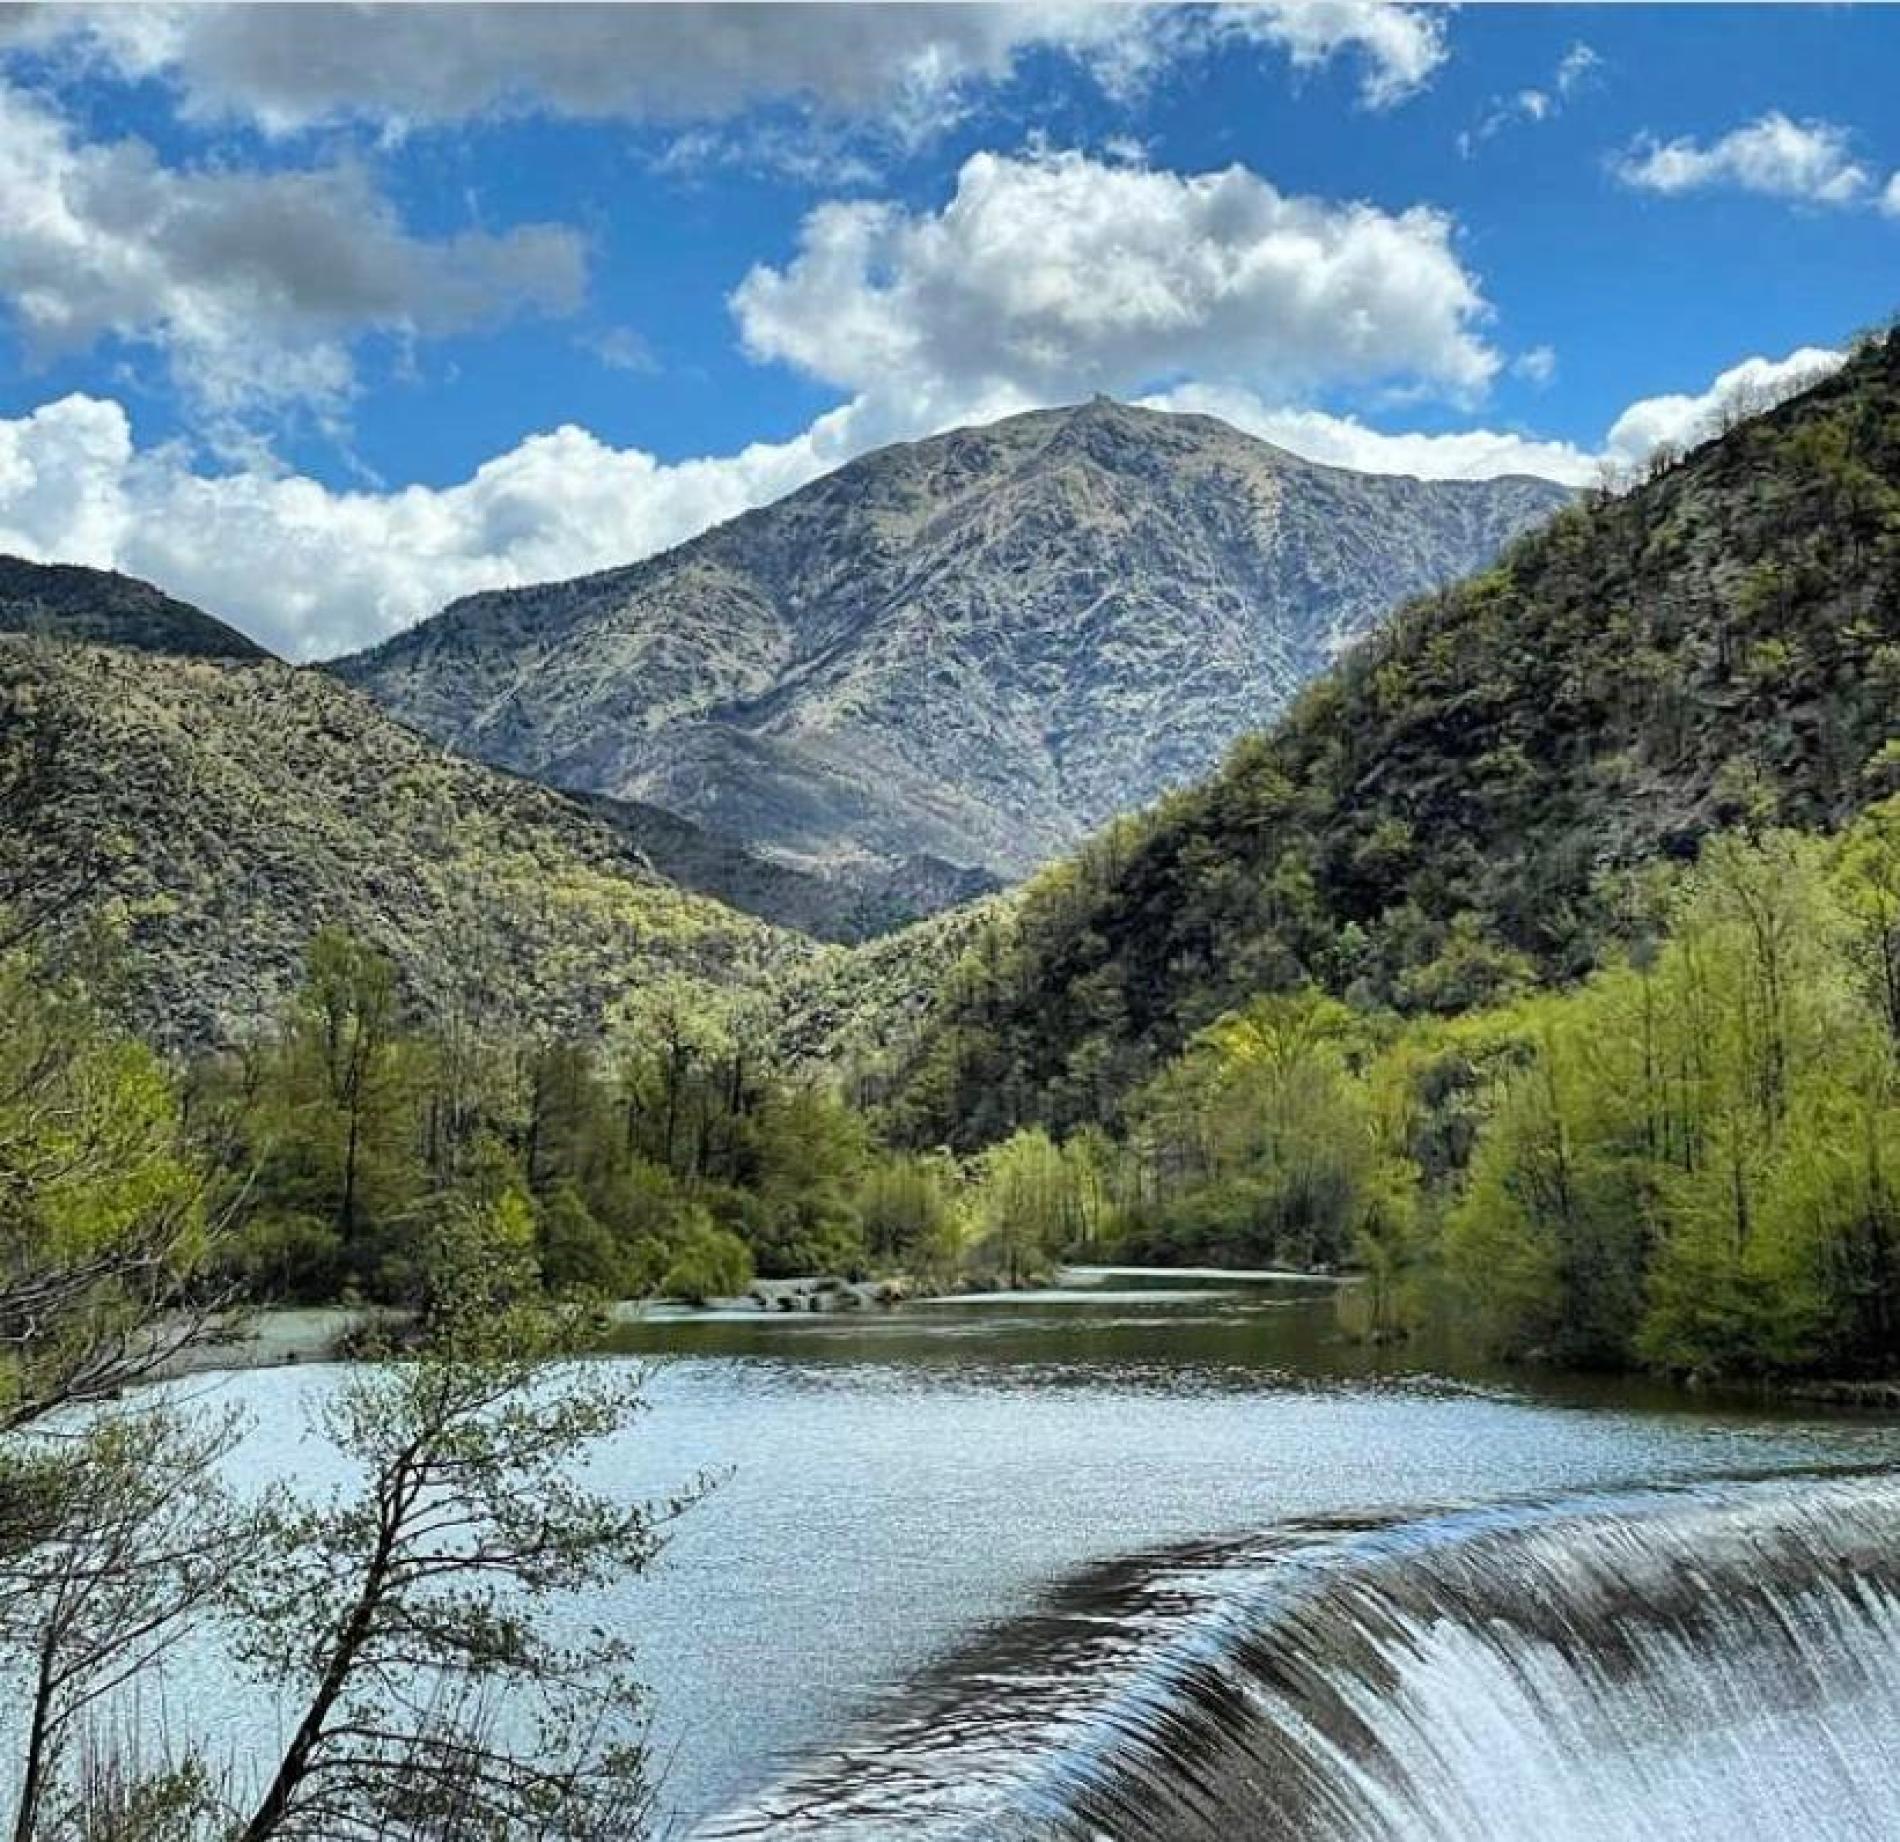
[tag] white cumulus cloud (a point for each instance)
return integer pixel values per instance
(1775, 156)
(1345, 441)
(1401, 45)
(313, 571)
(293, 67)
(1052, 274)
(1045, 276)
(1746, 389)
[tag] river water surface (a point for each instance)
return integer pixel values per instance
(1155, 1558)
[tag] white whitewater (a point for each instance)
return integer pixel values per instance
(1719, 1663)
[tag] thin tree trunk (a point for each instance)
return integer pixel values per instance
(33, 1773)
(295, 1765)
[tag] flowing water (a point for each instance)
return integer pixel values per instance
(1168, 1560)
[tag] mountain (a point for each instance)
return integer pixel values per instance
(974, 648)
(63, 601)
(1451, 813)
(845, 904)
(68, 602)
(221, 811)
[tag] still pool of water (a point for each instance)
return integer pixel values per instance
(944, 1529)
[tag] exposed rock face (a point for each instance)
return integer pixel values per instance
(1455, 808)
(64, 602)
(974, 648)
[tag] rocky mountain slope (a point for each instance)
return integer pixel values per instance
(975, 648)
(845, 903)
(221, 811)
(1451, 813)
(63, 601)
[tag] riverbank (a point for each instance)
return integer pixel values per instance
(275, 1336)
(957, 1475)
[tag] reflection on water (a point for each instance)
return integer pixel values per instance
(934, 1509)
(1191, 1329)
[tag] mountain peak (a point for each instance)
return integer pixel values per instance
(976, 647)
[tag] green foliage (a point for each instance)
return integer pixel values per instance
(231, 808)
(1258, 1146)
(577, 1252)
(362, 1141)
(1032, 1202)
(1690, 1160)
(102, 1191)
(1697, 1166)
(127, 1538)
(906, 1202)
(401, 1610)
(1441, 823)
(912, 1211)
(707, 1263)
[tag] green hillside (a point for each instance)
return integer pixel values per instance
(62, 601)
(1449, 816)
(220, 813)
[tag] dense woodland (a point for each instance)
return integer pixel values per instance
(1690, 1160)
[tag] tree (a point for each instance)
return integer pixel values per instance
(673, 1031)
(707, 1263)
(578, 1254)
(330, 1125)
(111, 1536)
(104, 1228)
(907, 1204)
(1694, 1164)
(120, 1536)
(407, 1611)
(1024, 1204)
(1257, 1143)
(1868, 884)
(348, 1019)
(806, 1154)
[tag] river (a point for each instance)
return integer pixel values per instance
(1154, 1557)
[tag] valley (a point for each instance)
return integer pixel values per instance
(949, 923)
(1529, 986)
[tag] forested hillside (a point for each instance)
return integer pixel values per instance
(218, 814)
(1460, 810)
(64, 602)
(1543, 966)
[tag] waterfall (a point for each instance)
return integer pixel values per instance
(1687, 1665)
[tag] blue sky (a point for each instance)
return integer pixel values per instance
(323, 316)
